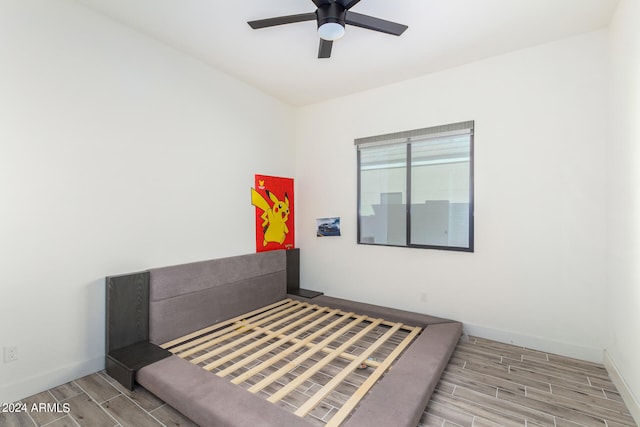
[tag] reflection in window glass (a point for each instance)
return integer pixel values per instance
(440, 170)
(383, 189)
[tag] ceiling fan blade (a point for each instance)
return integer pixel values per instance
(324, 51)
(376, 24)
(319, 3)
(348, 4)
(281, 20)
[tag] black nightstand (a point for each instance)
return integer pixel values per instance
(122, 364)
(306, 293)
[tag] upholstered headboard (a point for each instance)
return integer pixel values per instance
(185, 298)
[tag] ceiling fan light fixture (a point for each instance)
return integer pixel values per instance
(331, 31)
(331, 17)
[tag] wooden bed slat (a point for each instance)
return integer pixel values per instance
(336, 380)
(364, 388)
(214, 337)
(251, 372)
(281, 341)
(304, 356)
(268, 335)
(349, 356)
(322, 363)
(220, 325)
(246, 327)
(241, 329)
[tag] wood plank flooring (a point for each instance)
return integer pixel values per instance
(486, 383)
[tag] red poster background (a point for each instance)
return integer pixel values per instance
(282, 190)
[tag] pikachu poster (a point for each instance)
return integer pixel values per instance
(273, 198)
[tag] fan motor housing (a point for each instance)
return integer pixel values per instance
(332, 12)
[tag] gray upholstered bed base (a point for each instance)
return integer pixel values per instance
(189, 297)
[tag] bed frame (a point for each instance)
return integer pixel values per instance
(218, 340)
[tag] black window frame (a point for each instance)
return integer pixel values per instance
(416, 136)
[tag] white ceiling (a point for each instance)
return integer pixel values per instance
(282, 60)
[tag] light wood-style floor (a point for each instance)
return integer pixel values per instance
(492, 384)
(485, 384)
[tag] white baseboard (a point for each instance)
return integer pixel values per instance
(38, 383)
(576, 351)
(623, 388)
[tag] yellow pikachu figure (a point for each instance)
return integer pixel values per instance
(274, 217)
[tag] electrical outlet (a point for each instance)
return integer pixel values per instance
(423, 297)
(10, 354)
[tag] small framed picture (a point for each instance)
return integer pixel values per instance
(328, 227)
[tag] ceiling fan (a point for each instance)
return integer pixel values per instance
(332, 16)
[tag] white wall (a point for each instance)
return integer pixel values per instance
(623, 185)
(537, 276)
(116, 154)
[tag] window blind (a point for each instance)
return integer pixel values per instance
(461, 128)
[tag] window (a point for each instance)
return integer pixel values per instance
(415, 188)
